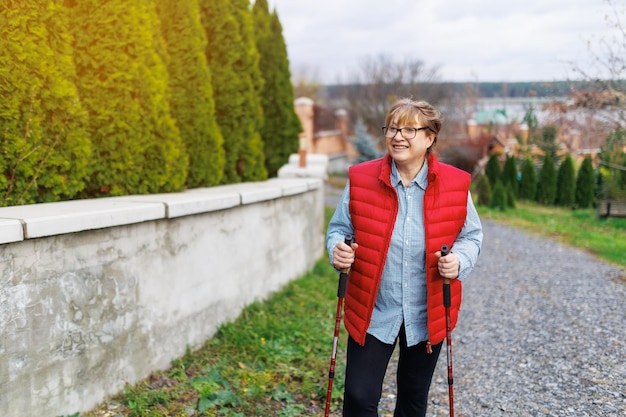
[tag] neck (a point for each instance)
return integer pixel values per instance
(408, 171)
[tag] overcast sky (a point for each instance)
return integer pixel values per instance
(468, 40)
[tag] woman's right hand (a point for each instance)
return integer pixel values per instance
(343, 255)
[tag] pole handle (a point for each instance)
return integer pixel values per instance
(446, 282)
(343, 275)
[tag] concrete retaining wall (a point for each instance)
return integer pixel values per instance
(98, 293)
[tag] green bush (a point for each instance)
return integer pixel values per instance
(483, 189)
(233, 60)
(281, 126)
(498, 198)
(191, 102)
(492, 170)
(511, 200)
(509, 174)
(585, 184)
(528, 182)
(546, 186)
(122, 82)
(566, 183)
(45, 148)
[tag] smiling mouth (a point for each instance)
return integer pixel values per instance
(398, 146)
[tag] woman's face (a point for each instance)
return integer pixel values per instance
(408, 151)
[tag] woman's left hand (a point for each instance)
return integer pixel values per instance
(448, 265)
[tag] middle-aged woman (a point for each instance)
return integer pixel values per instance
(401, 209)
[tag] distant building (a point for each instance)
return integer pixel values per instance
(325, 132)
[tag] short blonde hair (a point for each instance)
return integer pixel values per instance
(407, 111)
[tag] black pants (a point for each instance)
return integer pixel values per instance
(365, 372)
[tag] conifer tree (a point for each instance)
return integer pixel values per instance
(528, 182)
(492, 170)
(546, 185)
(484, 190)
(281, 124)
(498, 198)
(45, 148)
(123, 85)
(509, 174)
(566, 183)
(191, 102)
(585, 184)
(233, 61)
(364, 143)
(511, 200)
(253, 167)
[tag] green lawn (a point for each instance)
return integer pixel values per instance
(604, 237)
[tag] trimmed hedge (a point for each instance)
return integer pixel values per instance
(140, 96)
(282, 125)
(191, 101)
(45, 148)
(122, 82)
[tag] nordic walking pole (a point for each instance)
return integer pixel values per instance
(341, 293)
(446, 304)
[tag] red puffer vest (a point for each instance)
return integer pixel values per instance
(373, 209)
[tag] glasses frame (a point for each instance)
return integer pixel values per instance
(400, 129)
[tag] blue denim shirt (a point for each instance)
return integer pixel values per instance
(402, 293)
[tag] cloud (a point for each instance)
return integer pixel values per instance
(470, 40)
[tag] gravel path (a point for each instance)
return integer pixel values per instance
(541, 333)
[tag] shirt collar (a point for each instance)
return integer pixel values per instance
(421, 179)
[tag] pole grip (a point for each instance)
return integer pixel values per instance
(343, 275)
(446, 282)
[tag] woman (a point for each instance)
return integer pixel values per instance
(401, 209)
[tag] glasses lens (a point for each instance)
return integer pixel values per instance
(408, 132)
(390, 131)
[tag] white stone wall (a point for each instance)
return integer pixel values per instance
(98, 293)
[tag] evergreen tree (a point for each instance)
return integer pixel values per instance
(509, 174)
(548, 139)
(492, 170)
(483, 190)
(511, 200)
(233, 61)
(598, 188)
(45, 148)
(498, 198)
(281, 125)
(566, 183)
(253, 166)
(528, 182)
(364, 143)
(612, 154)
(123, 85)
(546, 186)
(191, 101)
(585, 184)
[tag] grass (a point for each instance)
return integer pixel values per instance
(584, 229)
(273, 360)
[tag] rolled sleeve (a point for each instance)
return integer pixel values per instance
(340, 224)
(467, 245)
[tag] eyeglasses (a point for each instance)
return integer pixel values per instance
(405, 132)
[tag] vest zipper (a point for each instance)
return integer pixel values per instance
(429, 348)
